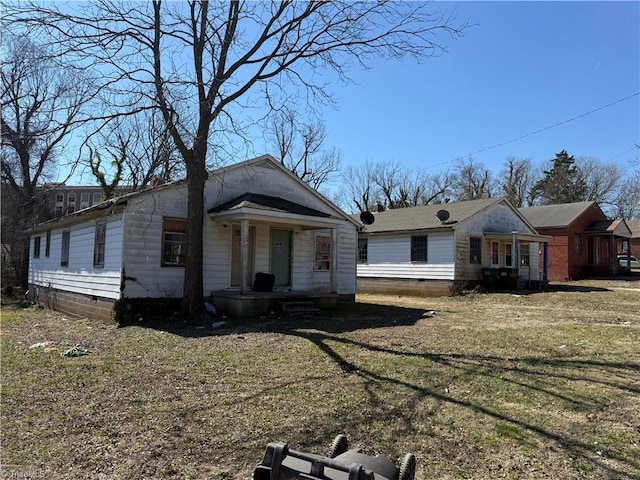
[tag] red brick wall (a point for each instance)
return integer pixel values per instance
(564, 262)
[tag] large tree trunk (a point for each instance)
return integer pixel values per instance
(193, 296)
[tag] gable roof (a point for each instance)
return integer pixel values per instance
(634, 226)
(616, 227)
(116, 204)
(269, 161)
(267, 202)
(559, 215)
(424, 217)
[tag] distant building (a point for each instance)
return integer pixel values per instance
(584, 242)
(66, 199)
(634, 226)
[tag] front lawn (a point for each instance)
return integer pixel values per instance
(527, 386)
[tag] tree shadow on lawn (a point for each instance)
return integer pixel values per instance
(537, 375)
(560, 287)
(345, 318)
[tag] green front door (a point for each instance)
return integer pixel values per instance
(281, 256)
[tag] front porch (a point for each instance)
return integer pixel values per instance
(236, 304)
(605, 241)
(517, 260)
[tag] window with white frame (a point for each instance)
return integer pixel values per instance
(495, 253)
(47, 245)
(475, 249)
(419, 248)
(36, 247)
(71, 202)
(174, 242)
(525, 254)
(363, 250)
(99, 244)
(323, 252)
(64, 251)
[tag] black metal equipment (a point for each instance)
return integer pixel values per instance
(281, 463)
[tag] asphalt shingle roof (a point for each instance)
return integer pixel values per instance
(267, 202)
(424, 217)
(560, 215)
(634, 226)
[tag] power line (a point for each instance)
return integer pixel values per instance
(542, 129)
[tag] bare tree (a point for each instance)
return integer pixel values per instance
(387, 177)
(627, 200)
(41, 105)
(301, 149)
(139, 150)
(517, 179)
(203, 58)
(438, 189)
(359, 187)
(471, 180)
(392, 185)
(403, 187)
(601, 180)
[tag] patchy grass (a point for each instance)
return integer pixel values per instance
(540, 385)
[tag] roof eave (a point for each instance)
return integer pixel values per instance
(276, 217)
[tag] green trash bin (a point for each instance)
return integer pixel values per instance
(488, 277)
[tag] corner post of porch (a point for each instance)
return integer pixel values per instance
(545, 262)
(244, 255)
(612, 255)
(333, 285)
(516, 251)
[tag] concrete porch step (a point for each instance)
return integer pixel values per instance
(298, 307)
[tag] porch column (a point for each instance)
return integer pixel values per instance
(516, 251)
(545, 262)
(613, 259)
(244, 255)
(333, 285)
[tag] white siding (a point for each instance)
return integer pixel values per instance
(133, 258)
(347, 254)
(390, 257)
(497, 218)
(266, 180)
(80, 276)
(144, 274)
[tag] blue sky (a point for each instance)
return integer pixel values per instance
(525, 66)
(522, 68)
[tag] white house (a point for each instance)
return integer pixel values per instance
(424, 250)
(259, 218)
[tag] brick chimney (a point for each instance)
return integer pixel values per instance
(377, 207)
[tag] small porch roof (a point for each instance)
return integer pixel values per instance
(274, 210)
(617, 228)
(519, 236)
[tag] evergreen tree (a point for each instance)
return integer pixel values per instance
(562, 184)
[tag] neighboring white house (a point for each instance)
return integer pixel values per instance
(423, 250)
(259, 218)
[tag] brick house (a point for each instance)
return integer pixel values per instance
(584, 242)
(634, 226)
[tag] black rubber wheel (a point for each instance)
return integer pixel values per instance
(408, 467)
(338, 446)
